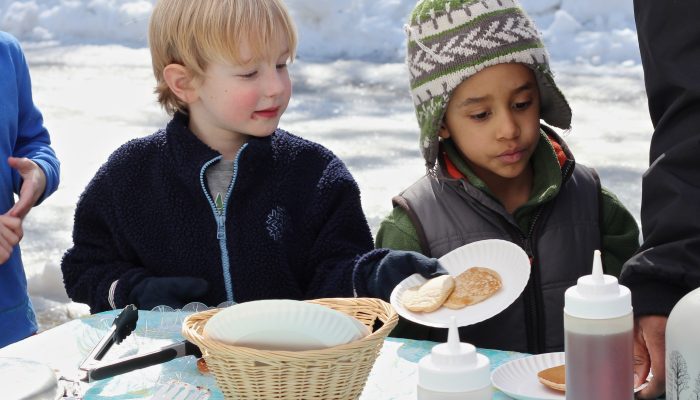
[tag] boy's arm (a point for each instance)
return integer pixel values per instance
(397, 232)
(343, 233)
(397, 257)
(33, 140)
(620, 233)
(95, 261)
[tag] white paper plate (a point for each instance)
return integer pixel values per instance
(283, 325)
(24, 379)
(506, 258)
(518, 378)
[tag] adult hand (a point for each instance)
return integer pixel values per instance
(10, 234)
(650, 353)
(33, 185)
(174, 291)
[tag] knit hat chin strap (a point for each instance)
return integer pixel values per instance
(451, 40)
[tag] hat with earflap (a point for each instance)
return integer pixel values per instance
(451, 40)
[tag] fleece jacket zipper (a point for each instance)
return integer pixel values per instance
(220, 217)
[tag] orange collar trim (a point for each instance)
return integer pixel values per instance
(559, 151)
(452, 170)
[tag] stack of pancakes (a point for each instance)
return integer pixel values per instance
(472, 286)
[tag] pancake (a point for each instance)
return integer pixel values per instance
(202, 366)
(429, 296)
(554, 378)
(473, 286)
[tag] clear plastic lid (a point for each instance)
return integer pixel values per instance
(454, 366)
(597, 296)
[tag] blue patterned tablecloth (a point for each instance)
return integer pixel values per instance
(393, 377)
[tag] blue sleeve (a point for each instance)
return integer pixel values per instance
(33, 139)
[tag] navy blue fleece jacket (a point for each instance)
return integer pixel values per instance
(290, 228)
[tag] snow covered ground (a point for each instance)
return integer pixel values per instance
(92, 79)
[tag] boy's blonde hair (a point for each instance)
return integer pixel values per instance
(194, 33)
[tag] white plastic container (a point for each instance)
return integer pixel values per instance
(454, 370)
(683, 348)
(598, 338)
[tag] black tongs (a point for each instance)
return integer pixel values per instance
(95, 369)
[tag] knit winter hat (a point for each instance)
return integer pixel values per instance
(451, 40)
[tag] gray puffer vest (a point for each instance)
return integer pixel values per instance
(448, 213)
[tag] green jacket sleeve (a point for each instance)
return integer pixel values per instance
(397, 232)
(620, 233)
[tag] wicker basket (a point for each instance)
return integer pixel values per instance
(334, 373)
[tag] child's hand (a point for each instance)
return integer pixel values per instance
(33, 185)
(10, 234)
(398, 265)
(173, 291)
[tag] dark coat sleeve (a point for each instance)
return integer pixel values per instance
(343, 235)
(667, 266)
(98, 256)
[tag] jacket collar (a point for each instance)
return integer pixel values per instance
(552, 161)
(189, 154)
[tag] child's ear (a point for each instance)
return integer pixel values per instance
(443, 132)
(179, 80)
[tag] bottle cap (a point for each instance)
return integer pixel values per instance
(454, 366)
(597, 296)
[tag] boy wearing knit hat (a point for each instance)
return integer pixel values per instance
(481, 83)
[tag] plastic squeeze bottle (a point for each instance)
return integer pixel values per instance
(454, 371)
(683, 349)
(598, 338)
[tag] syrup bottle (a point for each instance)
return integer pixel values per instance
(598, 338)
(454, 371)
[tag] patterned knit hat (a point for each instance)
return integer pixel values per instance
(451, 40)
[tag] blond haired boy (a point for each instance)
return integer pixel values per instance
(221, 205)
(481, 84)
